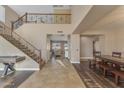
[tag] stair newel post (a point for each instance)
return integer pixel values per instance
(40, 65)
(26, 16)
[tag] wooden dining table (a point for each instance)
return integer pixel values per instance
(114, 60)
(117, 71)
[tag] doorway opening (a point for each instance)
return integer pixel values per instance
(58, 46)
(59, 49)
(89, 44)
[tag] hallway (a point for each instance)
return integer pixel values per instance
(55, 74)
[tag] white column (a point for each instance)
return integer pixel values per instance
(75, 48)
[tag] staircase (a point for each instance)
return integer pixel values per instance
(21, 44)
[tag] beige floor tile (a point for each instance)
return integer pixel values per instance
(55, 74)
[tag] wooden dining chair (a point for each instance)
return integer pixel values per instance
(117, 55)
(97, 55)
(96, 59)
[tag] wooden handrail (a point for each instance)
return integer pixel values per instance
(19, 36)
(26, 41)
(39, 14)
(20, 18)
(28, 14)
(48, 14)
(29, 44)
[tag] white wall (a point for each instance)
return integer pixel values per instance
(21, 9)
(119, 38)
(78, 13)
(86, 46)
(7, 49)
(111, 26)
(10, 16)
(107, 41)
(112, 40)
(59, 37)
(37, 35)
(2, 14)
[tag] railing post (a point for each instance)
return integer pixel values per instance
(40, 65)
(26, 15)
(40, 54)
(12, 27)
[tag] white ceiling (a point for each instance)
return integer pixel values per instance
(94, 15)
(21, 9)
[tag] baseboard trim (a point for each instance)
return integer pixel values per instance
(74, 61)
(21, 69)
(86, 58)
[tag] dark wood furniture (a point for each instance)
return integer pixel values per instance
(116, 54)
(107, 66)
(96, 59)
(106, 59)
(9, 62)
(118, 75)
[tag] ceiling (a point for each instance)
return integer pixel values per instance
(96, 13)
(112, 21)
(21, 9)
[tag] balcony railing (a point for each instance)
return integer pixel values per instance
(46, 18)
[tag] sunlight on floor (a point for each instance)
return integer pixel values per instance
(61, 63)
